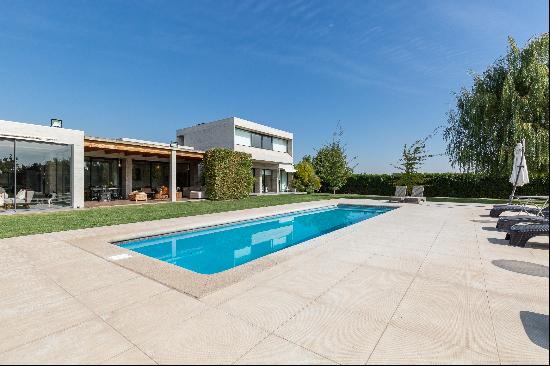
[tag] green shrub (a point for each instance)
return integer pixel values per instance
(227, 174)
(462, 185)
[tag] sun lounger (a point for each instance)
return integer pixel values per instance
(400, 193)
(497, 210)
(506, 223)
(521, 233)
(417, 195)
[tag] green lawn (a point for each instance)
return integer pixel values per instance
(35, 223)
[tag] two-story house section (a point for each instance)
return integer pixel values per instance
(270, 148)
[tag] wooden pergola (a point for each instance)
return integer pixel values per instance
(133, 150)
(138, 148)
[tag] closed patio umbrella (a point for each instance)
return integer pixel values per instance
(520, 175)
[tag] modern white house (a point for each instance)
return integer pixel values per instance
(271, 149)
(44, 167)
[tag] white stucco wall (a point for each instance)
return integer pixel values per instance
(75, 138)
(221, 133)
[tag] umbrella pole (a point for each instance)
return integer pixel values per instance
(520, 166)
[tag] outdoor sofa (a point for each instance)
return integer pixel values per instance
(23, 197)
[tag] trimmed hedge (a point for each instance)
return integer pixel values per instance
(461, 185)
(227, 174)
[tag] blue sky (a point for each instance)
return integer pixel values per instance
(385, 69)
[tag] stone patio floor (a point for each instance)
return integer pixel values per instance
(431, 283)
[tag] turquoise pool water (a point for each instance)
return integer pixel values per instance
(216, 249)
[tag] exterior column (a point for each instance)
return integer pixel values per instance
(277, 178)
(127, 176)
(258, 180)
(173, 176)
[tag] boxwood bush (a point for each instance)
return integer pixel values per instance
(227, 174)
(460, 185)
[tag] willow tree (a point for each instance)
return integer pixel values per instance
(507, 103)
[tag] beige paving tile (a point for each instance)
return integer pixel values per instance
(90, 342)
(312, 279)
(148, 318)
(451, 313)
(212, 337)
(370, 290)
(24, 293)
(133, 356)
(83, 275)
(264, 306)
(108, 299)
(403, 263)
(342, 336)
(521, 329)
(276, 351)
(24, 328)
(402, 347)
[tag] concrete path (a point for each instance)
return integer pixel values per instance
(427, 283)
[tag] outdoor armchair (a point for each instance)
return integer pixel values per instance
(400, 193)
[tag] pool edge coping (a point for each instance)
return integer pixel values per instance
(200, 285)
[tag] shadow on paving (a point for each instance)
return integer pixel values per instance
(527, 268)
(527, 245)
(536, 327)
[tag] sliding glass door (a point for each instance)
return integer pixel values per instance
(34, 174)
(44, 173)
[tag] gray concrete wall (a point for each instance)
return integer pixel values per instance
(75, 138)
(208, 135)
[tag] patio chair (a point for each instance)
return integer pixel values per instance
(23, 197)
(521, 233)
(505, 223)
(497, 210)
(417, 195)
(400, 193)
(3, 197)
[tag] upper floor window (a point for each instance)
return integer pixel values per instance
(243, 137)
(280, 145)
(247, 138)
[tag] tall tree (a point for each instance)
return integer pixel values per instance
(331, 162)
(508, 102)
(305, 179)
(411, 161)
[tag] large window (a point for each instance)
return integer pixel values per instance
(280, 145)
(260, 141)
(40, 177)
(101, 174)
(7, 181)
(150, 174)
(242, 137)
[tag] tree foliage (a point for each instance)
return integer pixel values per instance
(412, 159)
(508, 102)
(331, 163)
(305, 179)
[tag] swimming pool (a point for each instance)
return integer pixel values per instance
(216, 249)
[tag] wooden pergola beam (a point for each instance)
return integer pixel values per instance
(123, 147)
